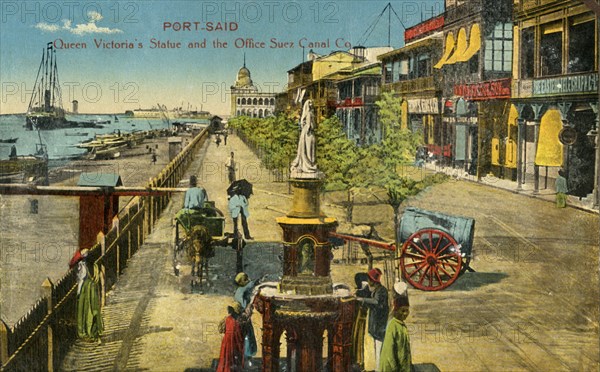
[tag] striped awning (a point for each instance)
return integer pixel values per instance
(447, 50)
(461, 47)
(474, 44)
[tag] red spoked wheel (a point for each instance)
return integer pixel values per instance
(431, 260)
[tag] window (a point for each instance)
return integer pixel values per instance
(423, 65)
(498, 48)
(474, 64)
(403, 69)
(357, 88)
(527, 56)
(387, 72)
(581, 44)
(551, 51)
(396, 70)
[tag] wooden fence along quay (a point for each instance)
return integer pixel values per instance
(42, 337)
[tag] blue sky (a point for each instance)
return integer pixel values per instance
(105, 80)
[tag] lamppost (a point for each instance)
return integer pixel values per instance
(593, 137)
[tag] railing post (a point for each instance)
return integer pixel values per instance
(115, 225)
(47, 291)
(4, 334)
(101, 239)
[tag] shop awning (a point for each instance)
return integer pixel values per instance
(474, 44)
(461, 47)
(447, 50)
(510, 160)
(549, 150)
(404, 115)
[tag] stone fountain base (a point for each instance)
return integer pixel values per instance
(304, 319)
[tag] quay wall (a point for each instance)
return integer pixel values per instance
(42, 337)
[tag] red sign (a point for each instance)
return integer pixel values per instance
(432, 24)
(485, 90)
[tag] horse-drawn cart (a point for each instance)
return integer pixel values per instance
(197, 232)
(436, 248)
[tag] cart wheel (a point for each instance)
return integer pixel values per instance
(431, 260)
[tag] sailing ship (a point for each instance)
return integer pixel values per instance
(45, 109)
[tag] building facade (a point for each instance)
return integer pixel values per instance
(408, 72)
(246, 100)
(476, 65)
(555, 94)
(358, 90)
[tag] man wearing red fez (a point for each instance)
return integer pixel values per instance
(378, 310)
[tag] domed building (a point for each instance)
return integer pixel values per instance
(246, 100)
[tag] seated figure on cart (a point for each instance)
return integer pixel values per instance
(195, 196)
(202, 226)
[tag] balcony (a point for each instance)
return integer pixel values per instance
(524, 7)
(299, 81)
(413, 86)
(455, 13)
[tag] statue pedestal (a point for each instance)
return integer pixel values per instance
(306, 201)
(307, 251)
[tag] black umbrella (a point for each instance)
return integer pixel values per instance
(240, 187)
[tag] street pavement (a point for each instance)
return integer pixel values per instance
(530, 305)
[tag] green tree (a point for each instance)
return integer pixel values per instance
(399, 145)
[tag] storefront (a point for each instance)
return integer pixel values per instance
(555, 95)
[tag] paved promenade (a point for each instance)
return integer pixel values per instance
(524, 309)
(152, 320)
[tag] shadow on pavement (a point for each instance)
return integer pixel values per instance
(425, 367)
(469, 281)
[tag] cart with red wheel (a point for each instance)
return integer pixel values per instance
(435, 248)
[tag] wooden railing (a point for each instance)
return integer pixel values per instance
(42, 337)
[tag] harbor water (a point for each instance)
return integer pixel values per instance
(62, 143)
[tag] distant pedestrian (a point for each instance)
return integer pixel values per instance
(561, 189)
(154, 157)
(395, 353)
(218, 140)
(13, 152)
(231, 358)
(225, 138)
(378, 310)
(230, 165)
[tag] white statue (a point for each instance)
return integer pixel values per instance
(305, 163)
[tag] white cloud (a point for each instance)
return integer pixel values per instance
(80, 29)
(94, 16)
(47, 27)
(91, 28)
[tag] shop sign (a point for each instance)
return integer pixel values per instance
(587, 83)
(522, 88)
(423, 106)
(422, 28)
(485, 90)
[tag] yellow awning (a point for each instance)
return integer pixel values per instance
(474, 44)
(461, 47)
(549, 149)
(510, 159)
(448, 49)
